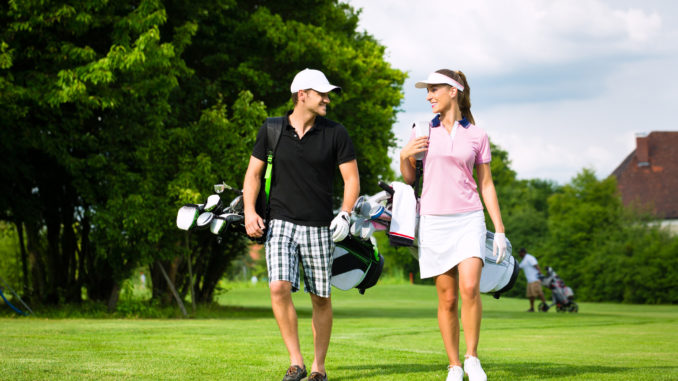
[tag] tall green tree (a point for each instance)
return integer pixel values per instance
(115, 113)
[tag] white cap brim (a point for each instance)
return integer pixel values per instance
(438, 79)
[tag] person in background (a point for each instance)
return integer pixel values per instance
(302, 227)
(532, 272)
(452, 224)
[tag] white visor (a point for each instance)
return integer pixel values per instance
(437, 79)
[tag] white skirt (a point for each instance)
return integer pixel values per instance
(445, 241)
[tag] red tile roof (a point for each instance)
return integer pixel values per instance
(648, 177)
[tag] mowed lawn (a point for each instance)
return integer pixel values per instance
(390, 333)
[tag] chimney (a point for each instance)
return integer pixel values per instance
(642, 149)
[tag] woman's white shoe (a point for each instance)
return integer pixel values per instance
(474, 370)
(455, 373)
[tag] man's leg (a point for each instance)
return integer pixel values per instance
(322, 329)
(448, 321)
(286, 317)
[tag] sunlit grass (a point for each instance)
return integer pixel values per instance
(390, 333)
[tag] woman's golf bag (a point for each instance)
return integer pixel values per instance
(561, 295)
(375, 213)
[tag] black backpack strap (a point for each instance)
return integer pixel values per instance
(419, 167)
(273, 133)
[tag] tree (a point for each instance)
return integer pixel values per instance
(116, 115)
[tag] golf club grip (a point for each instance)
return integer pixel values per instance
(386, 187)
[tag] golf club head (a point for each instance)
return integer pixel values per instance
(237, 205)
(233, 217)
(187, 215)
(219, 188)
(379, 197)
(204, 220)
(218, 225)
(213, 203)
(222, 222)
(362, 228)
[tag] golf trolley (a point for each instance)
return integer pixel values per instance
(561, 295)
(356, 260)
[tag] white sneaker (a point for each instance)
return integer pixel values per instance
(455, 373)
(474, 370)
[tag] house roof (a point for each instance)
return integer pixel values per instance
(648, 177)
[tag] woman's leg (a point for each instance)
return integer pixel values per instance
(471, 307)
(448, 321)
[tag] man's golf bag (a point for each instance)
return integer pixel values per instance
(356, 260)
(356, 263)
(562, 296)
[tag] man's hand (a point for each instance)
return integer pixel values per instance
(339, 226)
(499, 247)
(254, 225)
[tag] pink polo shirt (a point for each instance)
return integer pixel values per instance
(449, 187)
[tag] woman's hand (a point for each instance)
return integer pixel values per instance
(413, 147)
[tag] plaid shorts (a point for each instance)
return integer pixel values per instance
(287, 243)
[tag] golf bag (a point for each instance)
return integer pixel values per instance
(356, 263)
(497, 278)
(374, 213)
(562, 296)
(356, 260)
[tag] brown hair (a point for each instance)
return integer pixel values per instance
(463, 97)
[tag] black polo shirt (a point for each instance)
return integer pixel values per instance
(304, 169)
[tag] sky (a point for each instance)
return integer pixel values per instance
(560, 85)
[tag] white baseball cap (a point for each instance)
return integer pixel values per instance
(437, 79)
(312, 79)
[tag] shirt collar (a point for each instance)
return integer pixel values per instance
(436, 122)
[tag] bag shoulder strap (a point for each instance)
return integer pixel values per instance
(421, 127)
(273, 133)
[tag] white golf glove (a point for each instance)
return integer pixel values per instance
(339, 226)
(499, 247)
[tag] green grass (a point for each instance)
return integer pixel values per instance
(388, 334)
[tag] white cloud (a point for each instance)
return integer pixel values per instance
(560, 85)
(497, 37)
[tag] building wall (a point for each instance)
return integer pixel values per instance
(648, 178)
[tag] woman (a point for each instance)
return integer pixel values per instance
(452, 224)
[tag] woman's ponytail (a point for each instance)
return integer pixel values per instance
(463, 97)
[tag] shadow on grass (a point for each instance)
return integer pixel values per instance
(539, 370)
(549, 370)
(362, 372)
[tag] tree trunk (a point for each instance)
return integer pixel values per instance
(114, 296)
(24, 256)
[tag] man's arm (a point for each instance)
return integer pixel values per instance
(254, 224)
(349, 173)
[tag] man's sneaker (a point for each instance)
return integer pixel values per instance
(295, 373)
(454, 373)
(317, 376)
(474, 370)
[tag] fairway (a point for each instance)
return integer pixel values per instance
(390, 333)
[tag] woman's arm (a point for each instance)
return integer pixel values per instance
(489, 194)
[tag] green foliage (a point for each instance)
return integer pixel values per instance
(119, 112)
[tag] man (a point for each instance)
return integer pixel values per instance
(532, 272)
(302, 227)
